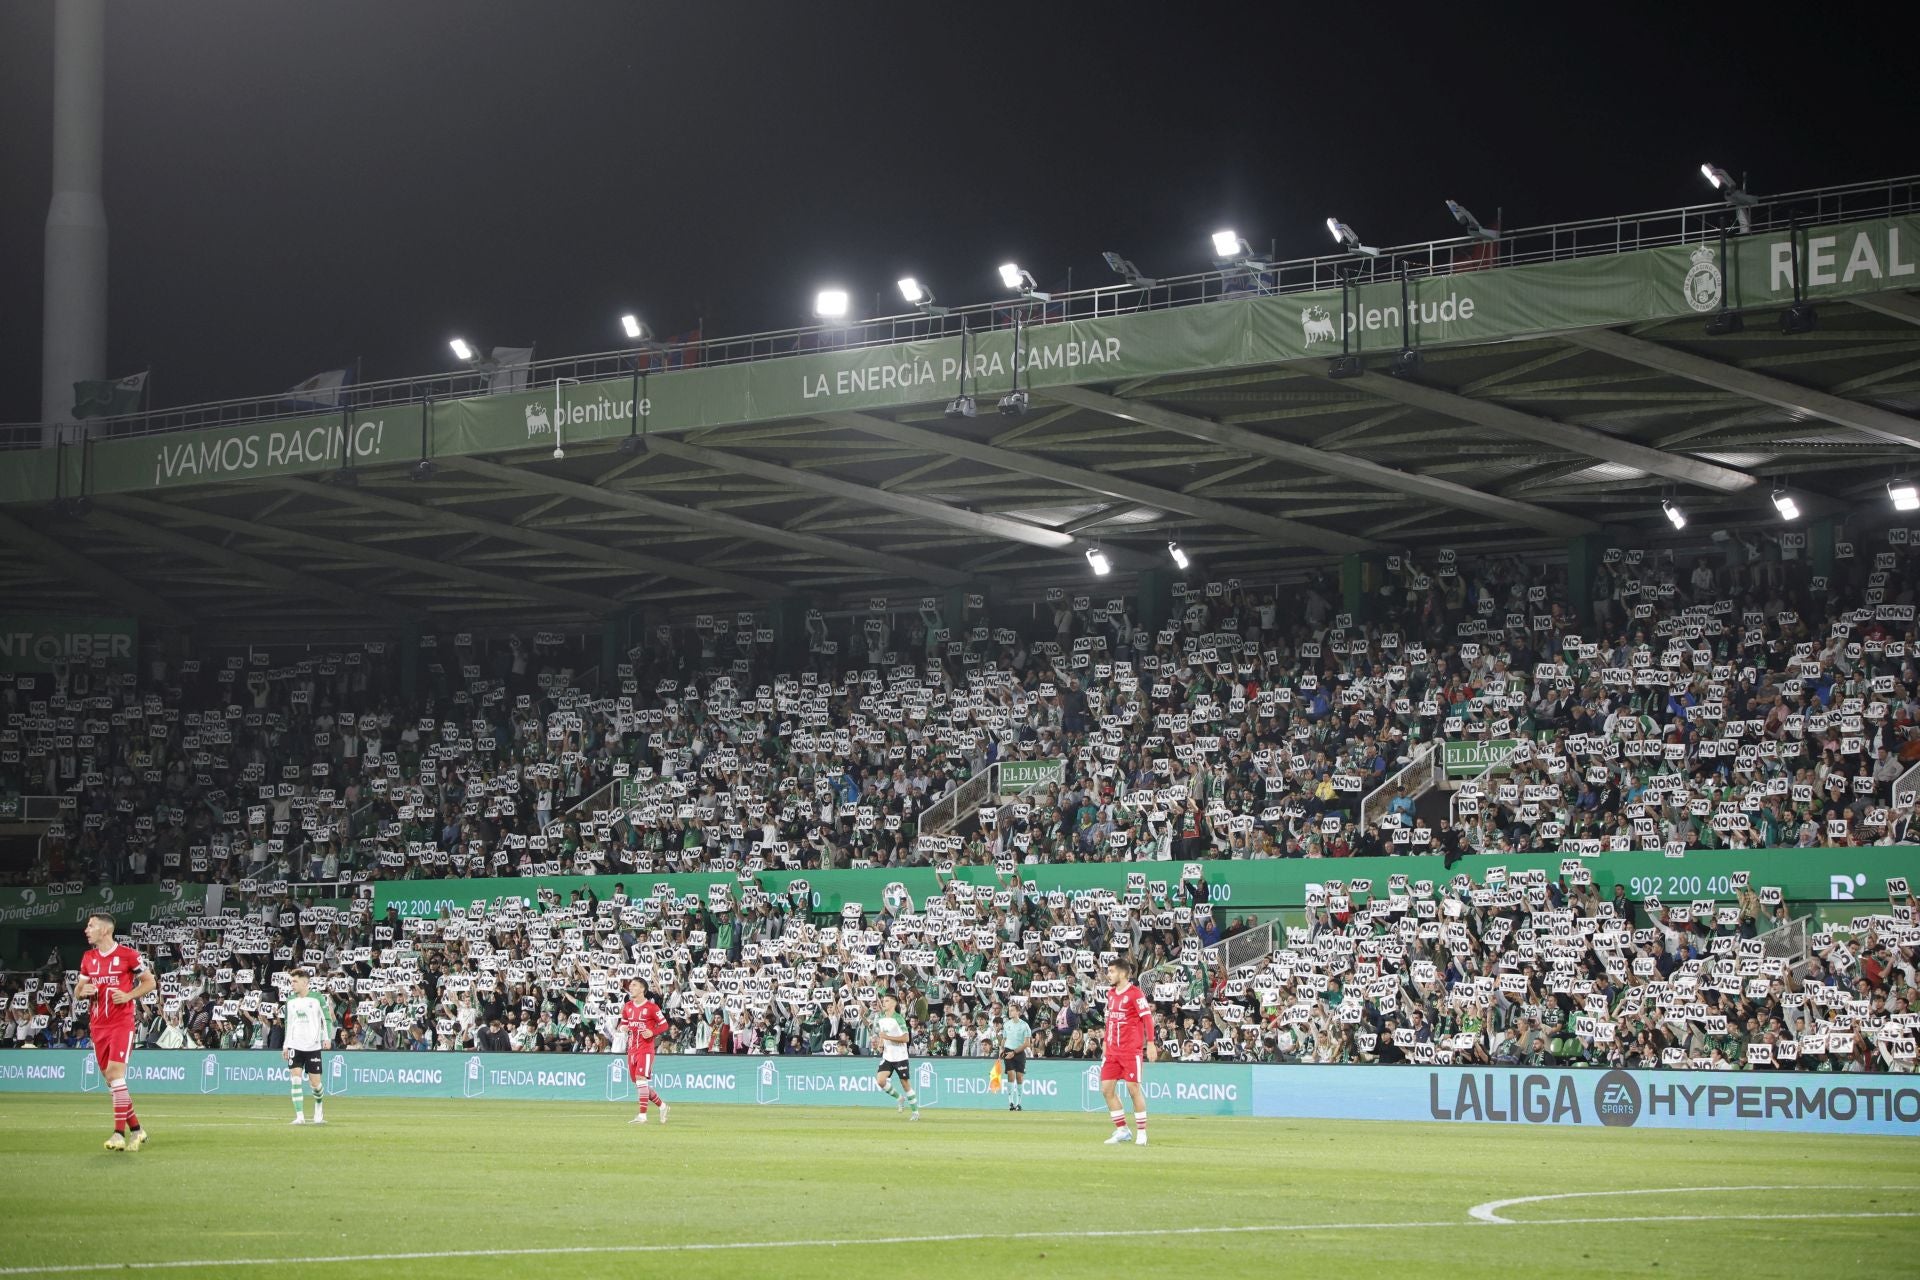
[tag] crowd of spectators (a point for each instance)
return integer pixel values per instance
(1522, 969)
(1744, 703)
(1738, 700)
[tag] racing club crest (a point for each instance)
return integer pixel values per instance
(1703, 285)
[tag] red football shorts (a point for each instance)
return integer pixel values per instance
(111, 1044)
(1127, 1069)
(640, 1066)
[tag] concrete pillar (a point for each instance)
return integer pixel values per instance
(612, 646)
(1583, 562)
(1361, 577)
(73, 326)
(1820, 539)
(409, 665)
(790, 633)
(1156, 598)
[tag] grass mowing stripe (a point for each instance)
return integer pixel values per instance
(446, 1189)
(709, 1246)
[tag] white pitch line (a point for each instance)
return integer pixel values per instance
(1708, 1217)
(1490, 1211)
(717, 1246)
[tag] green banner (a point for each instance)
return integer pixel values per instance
(1804, 875)
(1230, 885)
(1675, 281)
(53, 907)
(39, 641)
(289, 446)
(1469, 758)
(1018, 775)
(414, 899)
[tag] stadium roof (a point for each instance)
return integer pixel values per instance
(1566, 383)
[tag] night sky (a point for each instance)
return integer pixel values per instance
(292, 186)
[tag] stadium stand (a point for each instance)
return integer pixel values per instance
(1734, 707)
(1731, 705)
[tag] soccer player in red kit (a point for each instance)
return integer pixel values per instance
(644, 1024)
(1129, 1031)
(112, 978)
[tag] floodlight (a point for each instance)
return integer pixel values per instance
(1464, 216)
(961, 407)
(633, 445)
(830, 304)
(1012, 404)
(1783, 503)
(1675, 516)
(1228, 244)
(635, 330)
(1734, 193)
(920, 297)
(1905, 495)
(1124, 268)
(1344, 234)
(1180, 559)
(1098, 559)
(1798, 318)
(461, 351)
(1021, 282)
(423, 470)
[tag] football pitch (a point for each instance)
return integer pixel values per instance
(227, 1188)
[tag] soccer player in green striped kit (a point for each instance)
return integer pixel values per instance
(309, 1030)
(890, 1035)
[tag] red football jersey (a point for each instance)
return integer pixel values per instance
(1129, 1022)
(109, 971)
(642, 1016)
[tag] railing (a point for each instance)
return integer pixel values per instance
(598, 799)
(38, 809)
(1251, 947)
(1787, 941)
(1421, 774)
(357, 821)
(1554, 242)
(959, 804)
(1906, 788)
(1476, 786)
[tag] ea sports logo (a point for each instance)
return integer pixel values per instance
(1616, 1099)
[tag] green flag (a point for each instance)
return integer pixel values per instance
(105, 399)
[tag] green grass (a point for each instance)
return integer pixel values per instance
(229, 1179)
